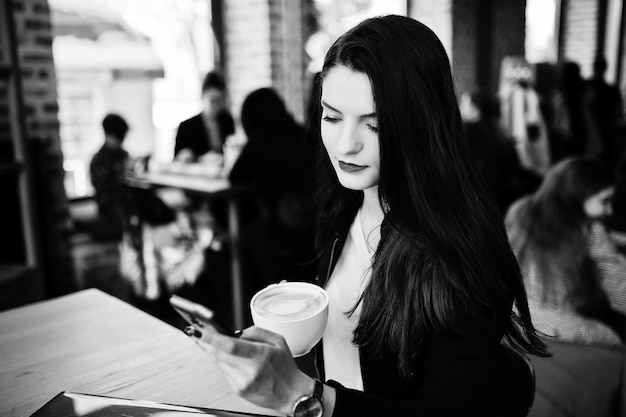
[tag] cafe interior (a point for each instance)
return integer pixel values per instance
(84, 300)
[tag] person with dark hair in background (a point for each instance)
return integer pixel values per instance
(522, 115)
(207, 131)
(276, 169)
(204, 136)
(605, 102)
(123, 211)
(617, 220)
(274, 174)
(422, 284)
(493, 153)
(609, 249)
(576, 292)
(573, 130)
(107, 170)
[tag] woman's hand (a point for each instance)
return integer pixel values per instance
(258, 366)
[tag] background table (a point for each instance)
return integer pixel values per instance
(209, 188)
(93, 343)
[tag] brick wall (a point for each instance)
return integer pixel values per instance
(287, 46)
(264, 47)
(34, 47)
(247, 48)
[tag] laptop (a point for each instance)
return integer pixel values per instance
(73, 404)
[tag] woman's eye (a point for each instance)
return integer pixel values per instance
(373, 128)
(330, 119)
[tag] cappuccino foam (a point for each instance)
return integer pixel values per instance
(286, 303)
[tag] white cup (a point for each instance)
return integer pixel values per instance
(298, 311)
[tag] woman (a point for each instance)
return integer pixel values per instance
(415, 258)
(563, 251)
(207, 131)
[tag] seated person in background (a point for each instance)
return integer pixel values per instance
(493, 153)
(617, 221)
(553, 233)
(609, 244)
(203, 136)
(207, 131)
(107, 170)
(277, 171)
(606, 108)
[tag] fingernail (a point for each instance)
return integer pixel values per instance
(192, 332)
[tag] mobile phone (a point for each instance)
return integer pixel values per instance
(198, 314)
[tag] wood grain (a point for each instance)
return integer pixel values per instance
(93, 343)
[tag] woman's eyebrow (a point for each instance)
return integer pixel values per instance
(363, 116)
(329, 107)
(368, 116)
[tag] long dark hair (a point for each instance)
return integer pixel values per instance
(443, 257)
(549, 229)
(276, 139)
(263, 113)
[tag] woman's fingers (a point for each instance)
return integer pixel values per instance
(258, 365)
(233, 349)
(228, 343)
(261, 335)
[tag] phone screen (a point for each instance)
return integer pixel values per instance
(198, 314)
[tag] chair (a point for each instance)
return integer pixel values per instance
(514, 391)
(580, 381)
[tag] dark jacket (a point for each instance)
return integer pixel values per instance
(455, 375)
(193, 135)
(107, 169)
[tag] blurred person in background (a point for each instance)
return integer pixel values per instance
(206, 132)
(202, 139)
(617, 220)
(605, 102)
(107, 170)
(573, 129)
(523, 117)
(274, 173)
(575, 288)
(276, 169)
(610, 247)
(493, 152)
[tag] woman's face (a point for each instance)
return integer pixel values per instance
(213, 101)
(598, 205)
(350, 127)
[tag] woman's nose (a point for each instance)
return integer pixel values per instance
(349, 142)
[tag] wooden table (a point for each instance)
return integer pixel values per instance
(93, 343)
(210, 188)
